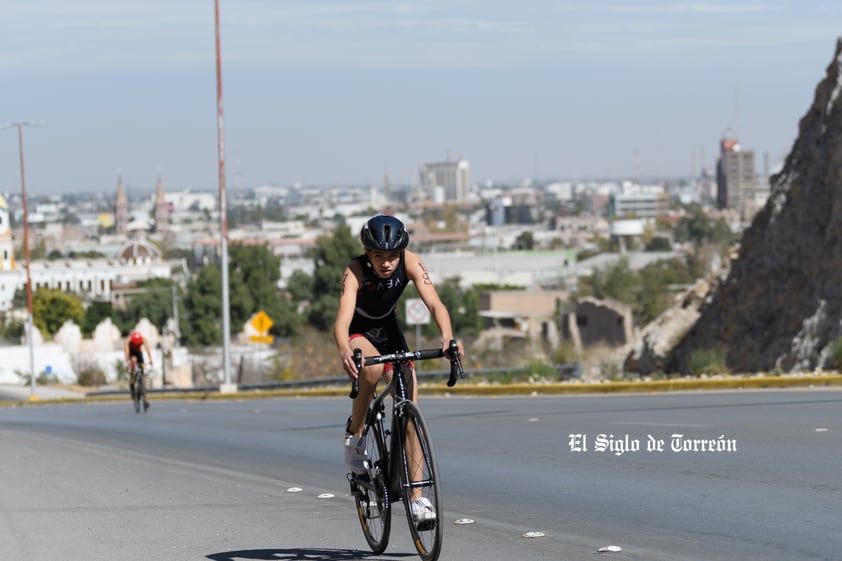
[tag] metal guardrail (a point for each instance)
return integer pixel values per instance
(564, 372)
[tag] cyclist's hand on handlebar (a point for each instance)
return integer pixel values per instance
(454, 352)
(445, 346)
(348, 364)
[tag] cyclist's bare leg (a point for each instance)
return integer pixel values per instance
(132, 366)
(413, 447)
(369, 376)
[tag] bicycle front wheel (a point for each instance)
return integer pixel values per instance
(419, 476)
(141, 392)
(137, 392)
(372, 499)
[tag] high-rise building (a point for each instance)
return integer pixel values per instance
(453, 178)
(735, 175)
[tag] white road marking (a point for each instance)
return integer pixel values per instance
(647, 424)
(534, 535)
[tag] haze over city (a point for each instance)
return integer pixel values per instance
(333, 92)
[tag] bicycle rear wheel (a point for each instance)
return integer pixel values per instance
(419, 476)
(372, 500)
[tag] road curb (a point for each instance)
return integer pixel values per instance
(560, 388)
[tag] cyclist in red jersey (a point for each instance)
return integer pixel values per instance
(134, 347)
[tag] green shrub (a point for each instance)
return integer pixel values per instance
(836, 353)
(708, 361)
(565, 353)
(88, 372)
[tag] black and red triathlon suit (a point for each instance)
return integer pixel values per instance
(375, 316)
(136, 350)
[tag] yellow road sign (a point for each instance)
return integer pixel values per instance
(261, 322)
(261, 339)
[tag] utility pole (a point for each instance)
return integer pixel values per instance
(19, 125)
(227, 386)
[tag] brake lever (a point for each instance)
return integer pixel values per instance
(355, 383)
(455, 363)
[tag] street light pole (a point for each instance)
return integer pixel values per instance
(227, 386)
(19, 125)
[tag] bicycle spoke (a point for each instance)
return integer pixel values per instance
(371, 493)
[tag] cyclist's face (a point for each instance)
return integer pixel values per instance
(384, 262)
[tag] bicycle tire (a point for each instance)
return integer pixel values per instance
(426, 536)
(136, 392)
(140, 390)
(373, 505)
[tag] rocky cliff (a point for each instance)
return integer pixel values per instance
(778, 307)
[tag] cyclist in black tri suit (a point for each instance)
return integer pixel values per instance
(367, 320)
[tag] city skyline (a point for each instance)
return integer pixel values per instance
(328, 93)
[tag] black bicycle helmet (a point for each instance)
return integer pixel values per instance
(385, 233)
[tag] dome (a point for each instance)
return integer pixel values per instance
(139, 250)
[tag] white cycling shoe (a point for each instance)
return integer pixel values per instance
(423, 514)
(356, 456)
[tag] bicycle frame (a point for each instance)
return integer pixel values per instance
(397, 388)
(403, 467)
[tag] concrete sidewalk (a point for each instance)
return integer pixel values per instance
(10, 392)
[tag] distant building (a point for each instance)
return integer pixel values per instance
(519, 206)
(599, 322)
(91, 279)
(638, 205)
(451, 179)
(162, 208)
(121, 210)
(7, 250)
(735, 176)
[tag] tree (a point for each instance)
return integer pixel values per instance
(51, 308)
(525, 240)
(300, 286)
(94, 314)
(333, 251)
(204, 305)
(648, 291)
(155, 303)
(698, 228)
(252, 286)
(255, 272)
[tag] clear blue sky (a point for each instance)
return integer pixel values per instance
(335, 92)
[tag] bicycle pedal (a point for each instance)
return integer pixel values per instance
(426, 525)
(355, 490)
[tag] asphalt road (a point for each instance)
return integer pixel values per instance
(264, 479)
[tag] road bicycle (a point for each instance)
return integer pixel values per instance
(139, 389)
(401, 463)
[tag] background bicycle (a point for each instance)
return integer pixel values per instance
(138, 389)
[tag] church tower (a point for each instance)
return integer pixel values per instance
(7, 250)
(121, 210)
(162, 209)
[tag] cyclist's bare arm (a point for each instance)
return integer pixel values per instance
(344, 315)
(148, 353)
(418, 274)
